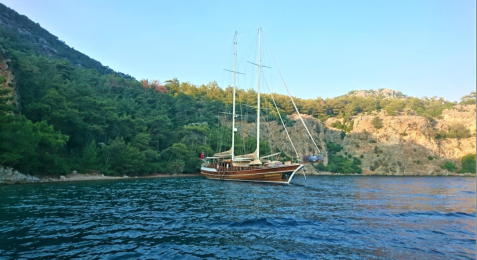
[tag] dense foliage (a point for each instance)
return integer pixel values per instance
(27, 146)
(338, 163)
(77, 119)
(448, 165)
(340, 107)
(454, 131)
(468, 164)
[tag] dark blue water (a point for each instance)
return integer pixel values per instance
(193, 218)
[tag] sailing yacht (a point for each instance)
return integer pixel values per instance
(250, 167)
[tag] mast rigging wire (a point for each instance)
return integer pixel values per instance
(286, 131)
(299, 115)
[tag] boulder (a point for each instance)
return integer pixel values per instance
(18, 177)
(9, 176)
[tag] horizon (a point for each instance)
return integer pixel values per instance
(427, 51)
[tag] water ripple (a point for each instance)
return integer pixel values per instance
(193, 218)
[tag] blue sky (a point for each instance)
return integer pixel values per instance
(323, 48)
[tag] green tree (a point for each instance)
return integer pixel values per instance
(394, 106)
(468, 99)
(18, 141)
(179, 151)
(186, 111)
(468, 164)
(321, 167)
(338, 163)
(90, 159)
(377, 123)
(49, 149)
(122, 158)
(449, 166)
(456, 130)
(176, 166)
(27, 146)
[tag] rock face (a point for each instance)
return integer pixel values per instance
(10, 176)
(384, 92)
(6, 72)
(276, 136)
(406, 144)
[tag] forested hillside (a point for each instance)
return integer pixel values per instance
(21, 34)
(62, 111)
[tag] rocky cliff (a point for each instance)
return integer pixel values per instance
(383, 92)
(7, 76)
(406, 144)
(276, 136)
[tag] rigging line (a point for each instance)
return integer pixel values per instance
(252, 81)
(286, 131)
(247, 51)
(251, 49)
(262, 117)
(267, 122)
(299, 115)
(243, 129)
(274, 136)
(217, 130)
(248, 147)
(227, 61)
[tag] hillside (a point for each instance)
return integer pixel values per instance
(21, 34)
(61, 111)
(408, 144)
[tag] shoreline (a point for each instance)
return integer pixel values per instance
(10, 177)
(18, 178)
(100, 177)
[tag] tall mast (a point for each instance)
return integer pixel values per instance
(233, 109)
(258, 100)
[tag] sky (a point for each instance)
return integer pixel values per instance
(322, 48)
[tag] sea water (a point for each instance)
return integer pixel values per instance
(322, 217)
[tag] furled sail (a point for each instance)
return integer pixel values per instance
(247, 156)
(225, 154)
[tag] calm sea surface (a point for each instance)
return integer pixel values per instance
(194, 218)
